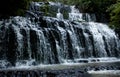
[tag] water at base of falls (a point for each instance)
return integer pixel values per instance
(107, 69)
(35, 41)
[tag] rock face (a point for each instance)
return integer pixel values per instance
(69, 71)
(41, 73)
(117, 32)
(48, 40)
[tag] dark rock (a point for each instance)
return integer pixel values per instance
(118, 32)
(93, 60)
(83, 61)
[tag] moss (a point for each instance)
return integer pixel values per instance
(45, 9)
(48, 10)
(65, 14)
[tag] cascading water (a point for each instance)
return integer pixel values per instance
(75, 15)
(48, 40)
(59, 15)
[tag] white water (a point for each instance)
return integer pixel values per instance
(60, 41)
(76, 15)
(59, 15)
(28, 65)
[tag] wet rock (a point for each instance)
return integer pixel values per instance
(83, 61)
(39, 73)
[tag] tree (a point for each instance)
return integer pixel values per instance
(98, 7)
(115, 15)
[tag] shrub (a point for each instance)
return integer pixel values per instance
(115, 15)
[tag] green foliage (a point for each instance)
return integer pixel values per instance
(109, 9)
(65, 14)
(115, 15)
(48, 10)
(99, 7)
(45, 9)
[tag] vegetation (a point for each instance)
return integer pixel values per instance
(109, 9)
(115, 15)
(98, 7)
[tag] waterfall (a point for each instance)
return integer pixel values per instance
(49, 40)
(76, 15)
(59, 15)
